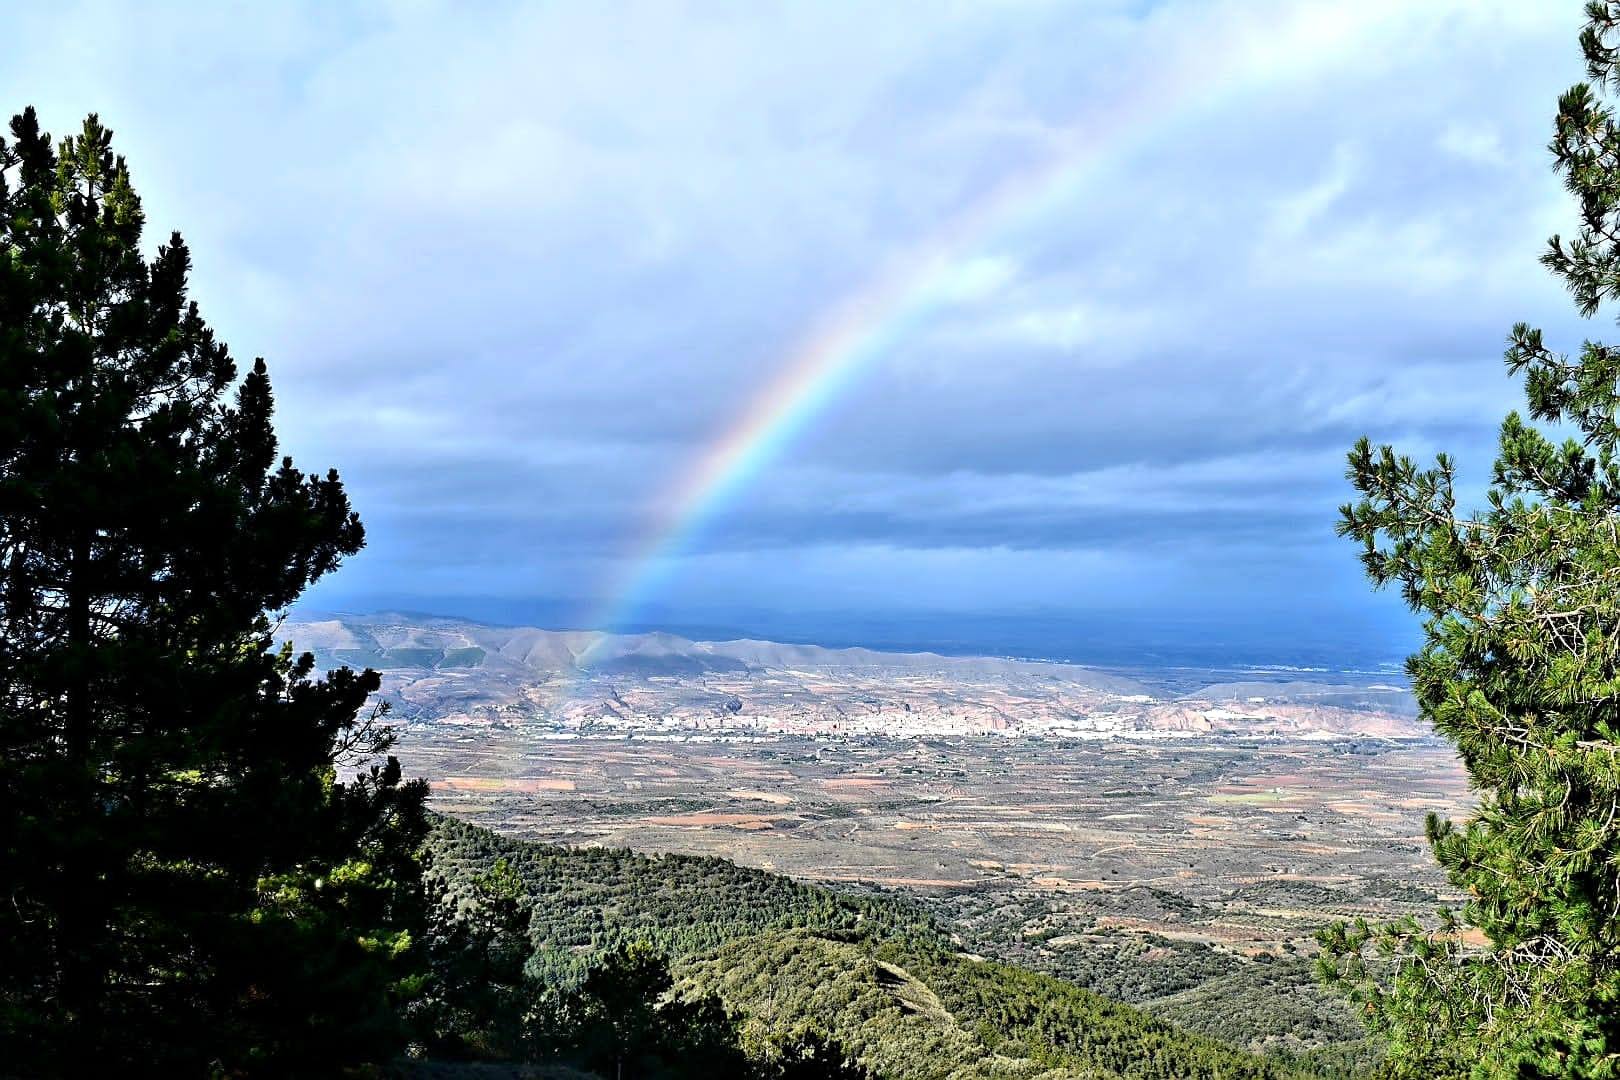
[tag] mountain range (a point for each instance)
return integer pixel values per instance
(442, 670)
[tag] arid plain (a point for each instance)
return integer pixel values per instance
(1171, 838)
(1238, 810)
(1248, 844)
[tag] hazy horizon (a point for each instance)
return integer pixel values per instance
(1117, 639)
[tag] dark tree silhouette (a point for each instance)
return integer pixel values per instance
(204, 864)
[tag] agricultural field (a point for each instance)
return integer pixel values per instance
(1168, 838)
(1186, 877)
(1249, 846)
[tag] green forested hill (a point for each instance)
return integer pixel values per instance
(912, 1011)
(1265, 1003)
(586, 900)
(1279, 1006)
(875, 973)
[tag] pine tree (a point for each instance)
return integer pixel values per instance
(187, 880)
(476, 944)
(1520, 669)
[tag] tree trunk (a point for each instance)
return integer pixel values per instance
(78, 932)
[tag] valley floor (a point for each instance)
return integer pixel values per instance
(1260, 841)
(1188, 876)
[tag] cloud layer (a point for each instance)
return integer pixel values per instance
(516, 266)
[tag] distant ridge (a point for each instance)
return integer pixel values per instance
(440, 670)
(387, 640)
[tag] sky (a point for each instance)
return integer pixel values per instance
(1101, 293)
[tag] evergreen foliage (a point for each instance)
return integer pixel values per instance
(1261, 1002)
(187, 882)
(587, 901)
(1521, 670)
(907, 1010)
(473, 996)
(624, 1020)
(772, 978)
(1278, 1008)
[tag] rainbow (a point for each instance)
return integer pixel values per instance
(926, 279)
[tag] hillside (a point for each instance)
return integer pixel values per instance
(588, 899)
(910, 1011)
(877, 971)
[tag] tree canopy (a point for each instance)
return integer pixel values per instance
(1520, 668)
(207, 861)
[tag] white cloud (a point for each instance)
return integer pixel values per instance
(1298, 211)
(1473, 144)
(977, 279)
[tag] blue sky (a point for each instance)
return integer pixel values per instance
(514, 267)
